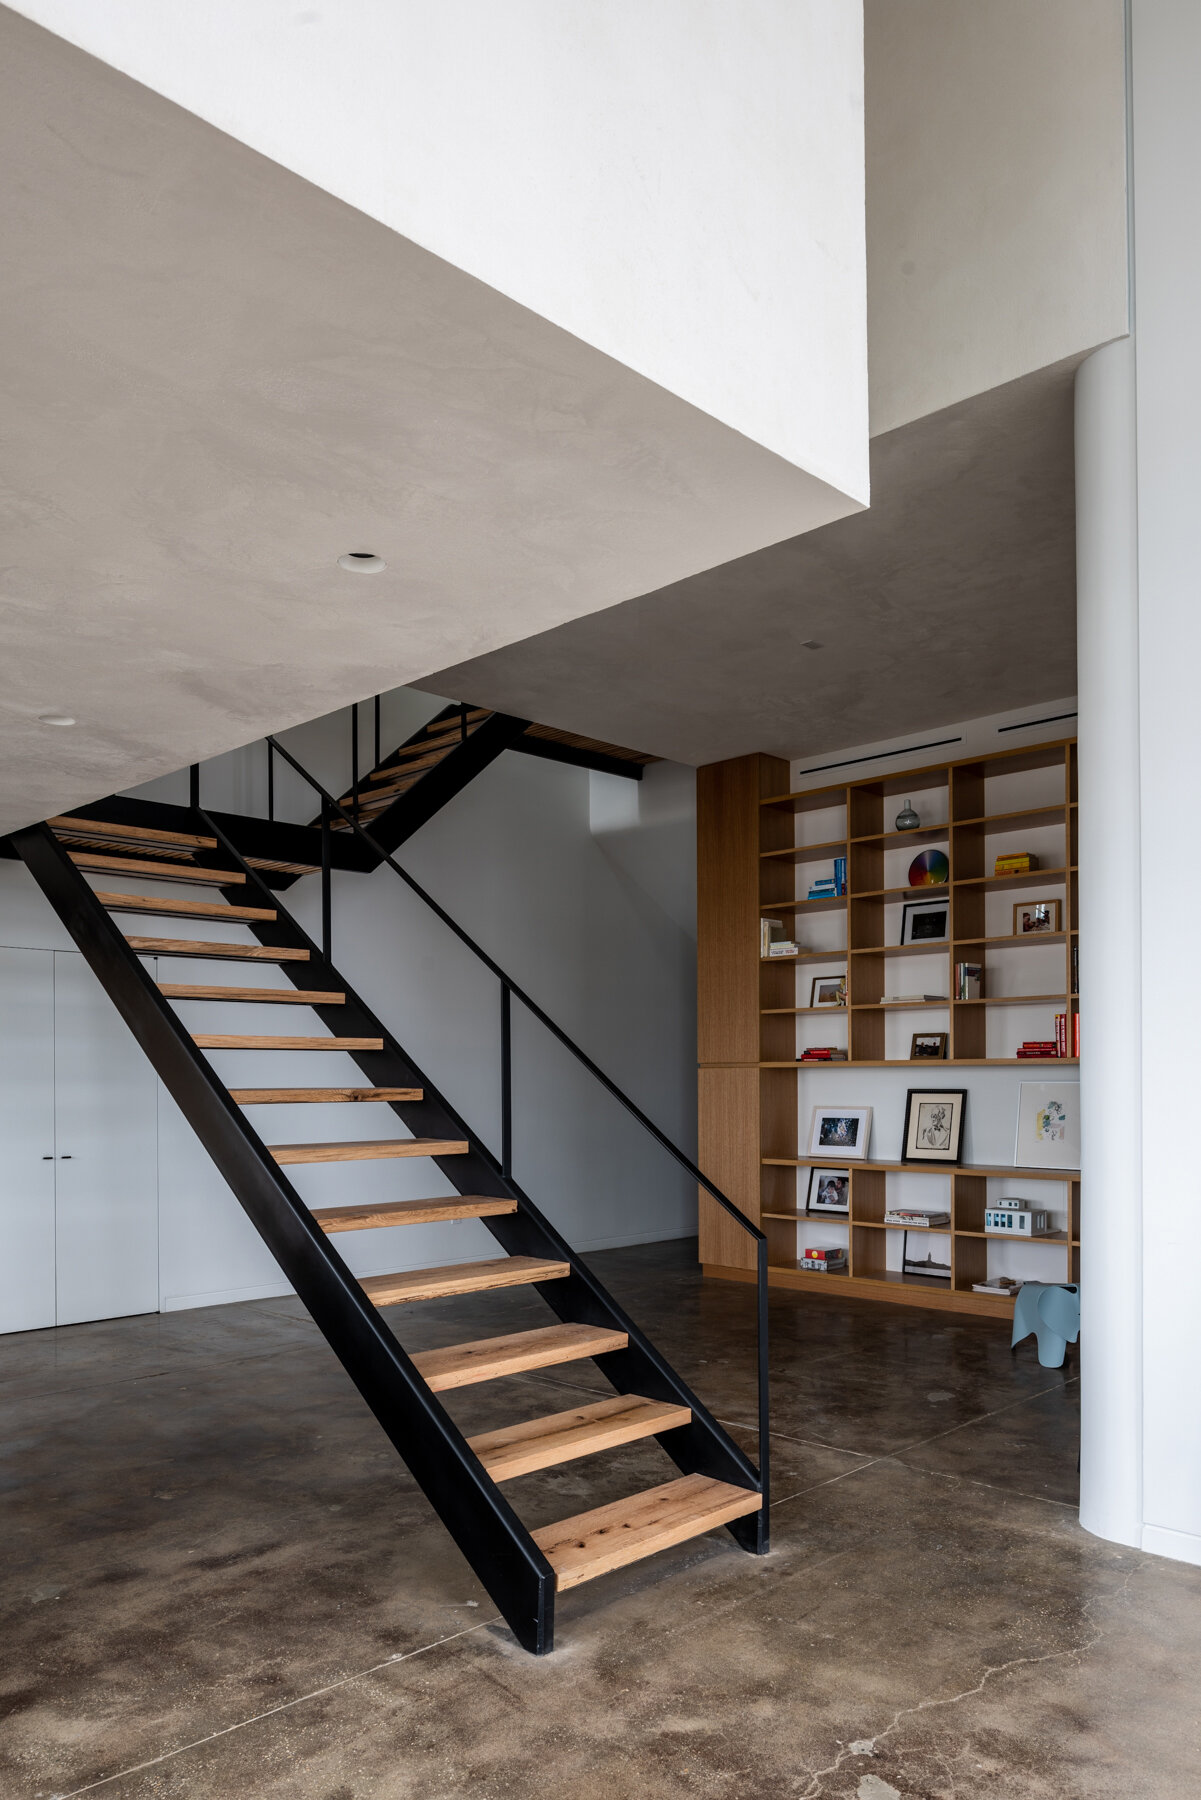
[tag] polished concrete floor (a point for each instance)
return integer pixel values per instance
(217, 1579)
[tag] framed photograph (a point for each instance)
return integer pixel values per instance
(1048, 1130)
(923, 1265)
(933, 1125)
(829, 1193)
(828, 990)
(926, 921)
(931, 1044)
(1032, 916)
(840, 1132)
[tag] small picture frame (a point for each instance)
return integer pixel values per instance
(840, 1133)
(828, 990)
(1048, 1129)
(933, 1125)
(930, 1045)
(1031, 918)
(926, 921)
(829, 1193)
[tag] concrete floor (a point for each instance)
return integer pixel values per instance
(217, 1578)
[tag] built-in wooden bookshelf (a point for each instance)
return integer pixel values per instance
(759, 847)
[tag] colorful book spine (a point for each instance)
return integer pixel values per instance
(1076, 1035)
(840, 874)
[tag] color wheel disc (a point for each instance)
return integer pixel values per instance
(930, 869)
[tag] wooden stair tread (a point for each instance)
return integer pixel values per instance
(369, 1150)
(134, 865)
(156, 946)
(461, 1278)
(581, 1431)
(320, 1096)
(184, 909)
(184, 990)
(487, 1359)
(92, 828)
(412, 1212)
(222, 1040)
(592, 1543)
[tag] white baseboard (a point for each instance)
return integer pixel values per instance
(273, 1290)
(1181, 1546)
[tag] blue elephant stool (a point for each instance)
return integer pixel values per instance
(1052, 1312)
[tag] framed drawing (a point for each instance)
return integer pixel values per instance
(829, 1193)
(1032, 917)
(1048, 1129)
(933, 1125)
(840, 1132)
(932, 1044)
(926, 921)
(828, 990)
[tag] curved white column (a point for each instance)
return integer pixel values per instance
(1111, 1499)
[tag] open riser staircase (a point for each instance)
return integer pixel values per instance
(96, 876)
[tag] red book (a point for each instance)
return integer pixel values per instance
(1076, 1035)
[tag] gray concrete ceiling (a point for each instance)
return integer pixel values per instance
(218, 378)
(953, 596)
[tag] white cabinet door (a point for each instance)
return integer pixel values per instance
(106, 1237)
(27, 1165)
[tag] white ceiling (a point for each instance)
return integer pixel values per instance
(218, 378)
(954, 596)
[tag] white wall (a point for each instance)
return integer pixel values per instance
(598, 927)
(995, 193)
(1141, 1465)
(679, 183)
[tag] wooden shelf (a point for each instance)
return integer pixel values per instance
(941, 946)
(747, 826)
(775, 1012)
(1035, 878)
(1016, 1000)
(800, 853)
(877, 1006)
(1023, 937)
(934, 890)
(1032, 816)
(920, 835)
(919, 1168)
(1007, 1237)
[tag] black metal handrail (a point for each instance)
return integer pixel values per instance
(509, 990)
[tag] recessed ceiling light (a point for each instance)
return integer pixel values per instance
(812, 644)
(362, 562)
(54, 719)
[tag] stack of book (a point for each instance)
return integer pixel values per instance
(830, 887)
(969, 978)
(915, 1218)
(1038, 1047)
(772, 941)
(823, 1053)
(825, 1262)
(1020, 862)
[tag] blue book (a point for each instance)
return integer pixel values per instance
(840, 874)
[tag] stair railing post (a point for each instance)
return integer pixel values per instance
(354, 759)
(270, 781)
(762, 1359)
(376, 763)
(327, 939)
(506, 1080)
(463, 710)
(194, 785)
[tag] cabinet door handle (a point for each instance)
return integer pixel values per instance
(66, 1157)
(47, 1159)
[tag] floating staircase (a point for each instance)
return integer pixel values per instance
(522, 1569)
